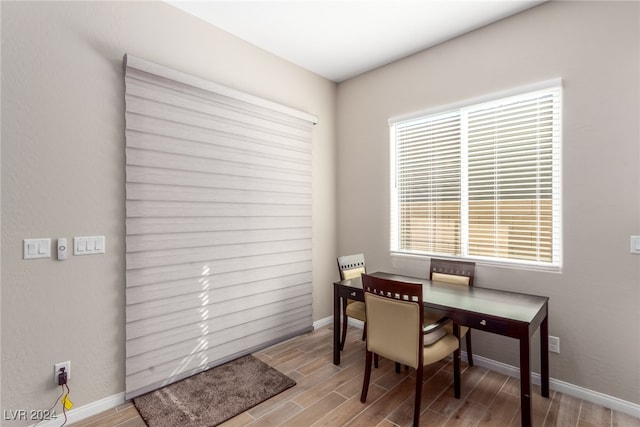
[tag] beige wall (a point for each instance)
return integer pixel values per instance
(594, 47)
(63, 175)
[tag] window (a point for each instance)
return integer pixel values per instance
(480, 181)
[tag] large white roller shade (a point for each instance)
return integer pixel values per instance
(218, 224)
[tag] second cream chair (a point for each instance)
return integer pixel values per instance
(457, 273)
(351, 266)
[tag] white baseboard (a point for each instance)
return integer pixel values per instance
(86, 411)
(323, 322)
(592, 396)
(596, 397)
(329, 321)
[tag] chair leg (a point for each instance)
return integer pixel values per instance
(469, 353)
(376, 360)
(398, 368)
(456, 373)
(367, 377)
(364, 332)
(416, 406)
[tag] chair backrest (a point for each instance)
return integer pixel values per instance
(351, 266)
(456, 272)
(394, 319)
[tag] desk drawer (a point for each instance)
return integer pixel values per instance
(484, 324)
(354, 294)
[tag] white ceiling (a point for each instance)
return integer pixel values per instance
(341, 39)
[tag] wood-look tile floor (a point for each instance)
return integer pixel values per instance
(329, 395)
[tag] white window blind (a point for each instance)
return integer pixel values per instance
(218, 224)
(480, 181)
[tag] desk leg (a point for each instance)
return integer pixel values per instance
(544, 356)
(525, 382)
(456, 363)
(336, 326)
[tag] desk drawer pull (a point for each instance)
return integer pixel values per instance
(489, 325)
(353, 294)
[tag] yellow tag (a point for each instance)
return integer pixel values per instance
(66, 402)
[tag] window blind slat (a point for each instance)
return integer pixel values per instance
(159, 176)
(211, 148)
(228, 280)
(156, 225)
(222, 306)
(173, 193)
(245, 168)
(198, 270)
(213, 327)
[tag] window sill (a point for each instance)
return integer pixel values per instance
(483, 262)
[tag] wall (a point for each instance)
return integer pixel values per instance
(594, 47)
(63, 175)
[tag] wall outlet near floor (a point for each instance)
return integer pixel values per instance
(58, 366)
(554, 344)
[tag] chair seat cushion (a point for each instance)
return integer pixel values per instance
(440, 349)
(434, 336)
(430, 317)
(356, 310)
(449, 329)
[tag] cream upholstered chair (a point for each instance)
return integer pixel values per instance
(351, 266)
(458, 273)
(395, 330)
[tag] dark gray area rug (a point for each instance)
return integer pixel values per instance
(213, 396)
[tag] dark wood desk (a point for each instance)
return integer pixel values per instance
(505, 313)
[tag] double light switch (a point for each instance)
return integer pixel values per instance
(36, 248)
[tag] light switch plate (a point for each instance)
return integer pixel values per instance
(36, 248)
(635, 245)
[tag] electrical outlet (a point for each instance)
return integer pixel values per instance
(554, 344)
(58, 366)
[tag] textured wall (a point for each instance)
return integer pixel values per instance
(594, 47)
(63, 175)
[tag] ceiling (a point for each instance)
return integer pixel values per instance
(341, 39)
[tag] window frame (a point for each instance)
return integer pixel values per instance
(554, 85)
